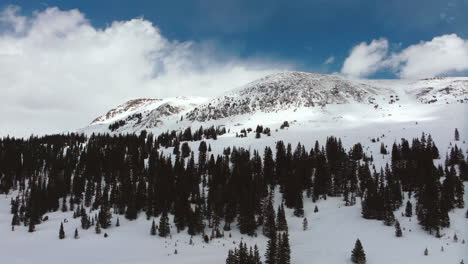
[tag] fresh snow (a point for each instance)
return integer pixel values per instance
(332, 231)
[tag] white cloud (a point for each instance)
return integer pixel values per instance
(365, 59)
(57, 71)
(443, 55)
(329, 60)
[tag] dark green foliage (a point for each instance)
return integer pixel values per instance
(76, 236)
(398, 232)
(242, 254)
(153, 228)
(164, 227)
(282, 225)
(104, 217)
(357, 255)
(98, 228)
(61, 232)
(128, 174)
(408, 209)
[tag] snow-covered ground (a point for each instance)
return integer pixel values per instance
(332, 231)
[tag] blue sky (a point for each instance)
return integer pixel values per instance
(305, 33)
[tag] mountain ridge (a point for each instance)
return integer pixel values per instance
(277, 93)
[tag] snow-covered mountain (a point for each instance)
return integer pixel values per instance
(290, 96)
(371, 112)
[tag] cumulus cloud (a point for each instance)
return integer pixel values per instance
(443, 55)
(329, 60)
(365, 59)
(57, 71)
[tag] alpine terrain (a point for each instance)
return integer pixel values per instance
(294, 167)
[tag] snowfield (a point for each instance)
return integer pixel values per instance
(331, 232)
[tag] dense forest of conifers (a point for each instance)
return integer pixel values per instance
(209, 193)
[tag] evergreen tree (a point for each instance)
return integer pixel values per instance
(408, 209)
(76, 234)
(153, 229)
(398, 232)
(98, 228)
(32, 227)
(85, 224)
(426, 252)
(269, 225)
(61, 232)
(104, 217)
(457, 135)
(305, 224)
(358, 256)
(284, 250)
(271, 250)
(164, 227)
(282, 224)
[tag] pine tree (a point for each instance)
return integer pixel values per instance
(305, 224)
(358, 256)
(281, 222)
(153, 229)
(271, 250)
(284, 250)
(164, 228)
(104, 217)
(408, 209)
(426, 252)
(76, 234)
(32, 227)
(85, 224)
(98, 228)
(61, 232)
(316, 209)
(457, 135)
(398, 232)
(118, 222)
(269, 225)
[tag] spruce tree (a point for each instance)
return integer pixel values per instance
(426, 252)
(85, 221)
(98, 228)
(305, 224)
(358, 256)
(76, 234)
(284, 250)
(316, 209)
(164, 228)
(457, 135)
(281, 222)
(32, 227)
(153, 229)
(398, 232)
(269, 225)
(104, 217)
(61, 232)
(271, 250)
(408, 209)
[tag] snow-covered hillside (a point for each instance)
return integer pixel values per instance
(316, 106)
(325, 100)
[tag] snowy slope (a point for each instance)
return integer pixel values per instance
(326, 100)
(140, 114)
(358, 112)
